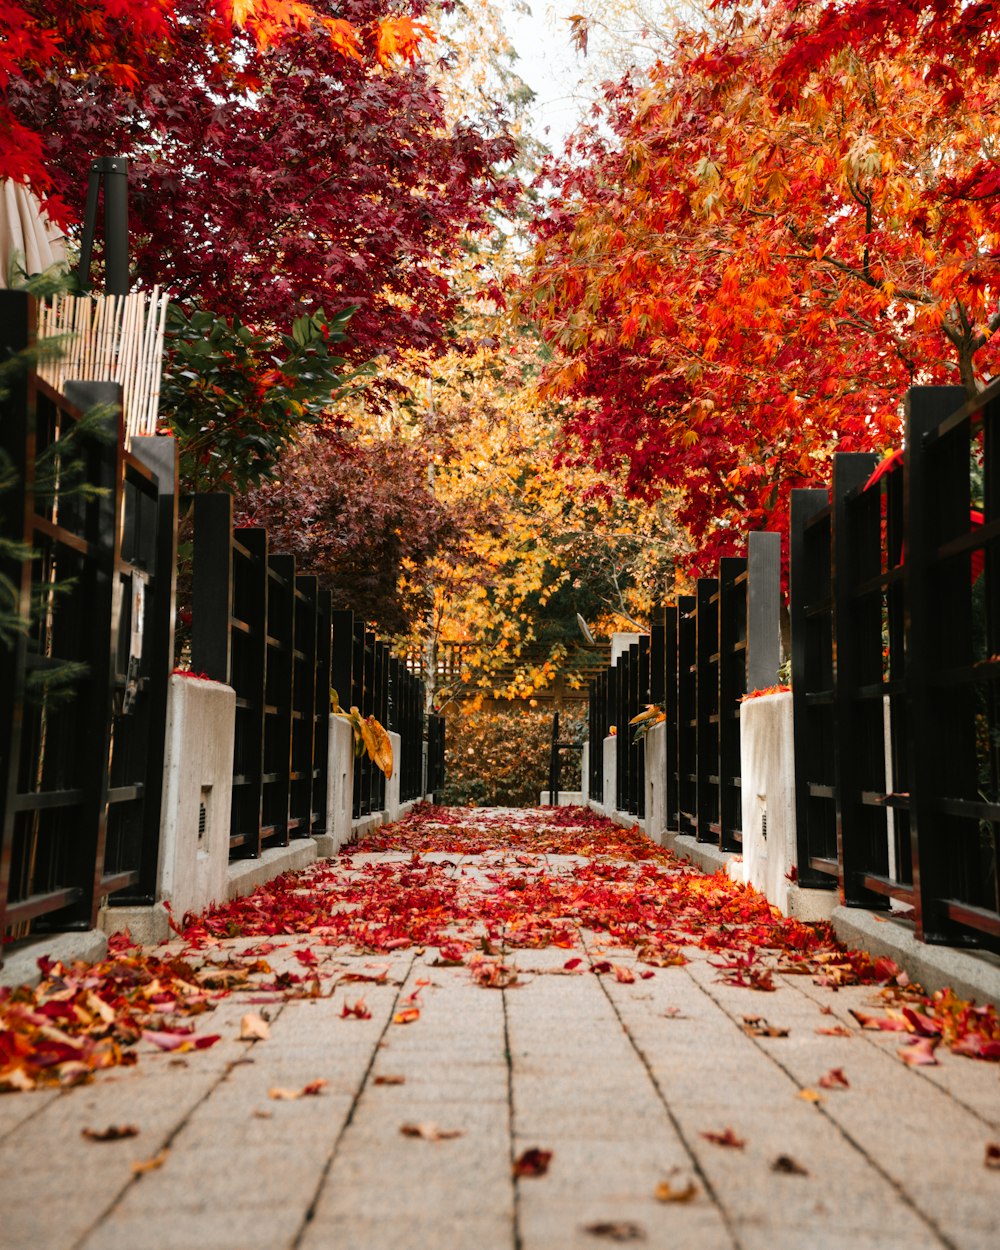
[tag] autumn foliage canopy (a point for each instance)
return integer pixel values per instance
(284, 157)
(764, 243)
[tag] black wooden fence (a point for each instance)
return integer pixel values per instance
(895, 593)
(94, 571)
(81, 764)
(270, 633)
(264, 630)
(435, 752)
(697, 663)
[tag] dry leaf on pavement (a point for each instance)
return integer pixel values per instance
(358, 1010)
(289, 1095)
(757, 1026)
(617, 1230)
(726, 1138)
(114, 1132)
(992, 1158)
(788, 1165)
(920, 1052)
(254, 1028)
(406, 1015)
(834, 1079)
(389, 1079)
(809, 1095)
(670, 1191)
(429, 1131)
(150, 1165)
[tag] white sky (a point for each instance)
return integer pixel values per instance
(548, 64)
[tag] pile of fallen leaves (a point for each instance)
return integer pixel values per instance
(88, 1016)
(511, 894)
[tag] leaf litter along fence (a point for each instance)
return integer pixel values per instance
(81, 772)
(697, 663)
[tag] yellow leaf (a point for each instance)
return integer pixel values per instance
(377, 744)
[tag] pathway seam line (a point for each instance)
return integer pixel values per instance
(170, 1138)
(845, 1133)
(674, 1122)
(331, 1158)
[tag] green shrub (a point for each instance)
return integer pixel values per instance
(500, 758)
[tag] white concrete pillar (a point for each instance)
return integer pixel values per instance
(610, 774)
(656, 782)
(195, 812)
(392, 783)
(770, 849)
(340, 787)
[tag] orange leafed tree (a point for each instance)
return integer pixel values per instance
(743, 279)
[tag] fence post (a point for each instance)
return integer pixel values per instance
(763, 609)
(670, 710)
(850, 472)
(640, 699)
(18, 318)
(733, 612)
(321, 712)
(811, 611)
(936, 506)
(160, 454)
(707, 715)
(687, 714)
(212, 587)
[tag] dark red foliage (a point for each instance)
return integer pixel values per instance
(355, 514)
(268, 184)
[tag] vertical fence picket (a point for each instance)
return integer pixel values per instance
(811, 598)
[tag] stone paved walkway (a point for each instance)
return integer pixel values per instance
(621, 1080)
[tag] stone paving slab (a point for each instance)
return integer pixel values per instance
(619, 1080)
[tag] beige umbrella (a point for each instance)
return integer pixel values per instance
(28, 240)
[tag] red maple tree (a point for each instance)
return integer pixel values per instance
(738, 280)
(272, 178)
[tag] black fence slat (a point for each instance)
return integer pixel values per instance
(811, 612)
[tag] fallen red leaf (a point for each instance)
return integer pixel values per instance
(891, 1024)
(726, 1138)
(358, 1010)
(532, 1162)
(834, 1079)
(920, 1052)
